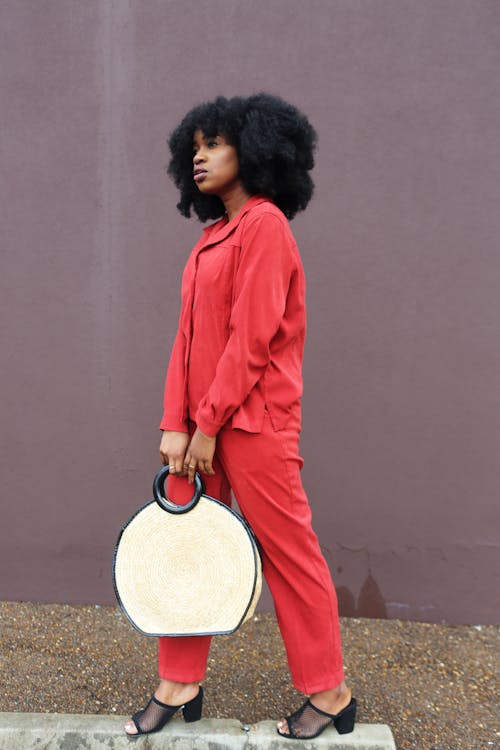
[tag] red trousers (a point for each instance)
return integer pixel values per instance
(263, 469)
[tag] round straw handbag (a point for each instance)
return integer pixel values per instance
(188, 569)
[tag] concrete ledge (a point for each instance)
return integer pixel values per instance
(23, 731)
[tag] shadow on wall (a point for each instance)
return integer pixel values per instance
(370, 601)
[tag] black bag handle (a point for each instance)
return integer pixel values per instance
(165, 503)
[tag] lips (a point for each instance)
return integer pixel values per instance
(199, 174)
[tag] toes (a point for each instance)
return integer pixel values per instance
(282, 727)
(130, 728)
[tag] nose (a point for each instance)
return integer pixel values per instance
(199, 157)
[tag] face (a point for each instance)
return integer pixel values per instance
(215, 164)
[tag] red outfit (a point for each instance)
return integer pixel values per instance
(235, 372)
(241, 332)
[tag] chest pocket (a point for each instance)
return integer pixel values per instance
(215, 278)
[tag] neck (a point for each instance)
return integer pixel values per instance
(234, 200)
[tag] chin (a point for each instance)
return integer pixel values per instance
(207, 190)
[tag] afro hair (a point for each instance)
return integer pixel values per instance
(274, 142)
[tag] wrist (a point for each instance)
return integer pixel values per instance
(204, 435)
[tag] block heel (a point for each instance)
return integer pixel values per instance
(192, 711)
(345, 719)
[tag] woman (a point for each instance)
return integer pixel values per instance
(233, 388)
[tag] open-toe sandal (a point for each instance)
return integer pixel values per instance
(157, 714)
(308, 722)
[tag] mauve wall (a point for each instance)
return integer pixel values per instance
(400, 245)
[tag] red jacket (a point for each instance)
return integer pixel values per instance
(240, 341)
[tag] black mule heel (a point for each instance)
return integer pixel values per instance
(157, 714)
(344, 720)
(309, 721)
(192, 711)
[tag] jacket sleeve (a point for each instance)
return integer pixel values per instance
(259, 301)
(174, 400)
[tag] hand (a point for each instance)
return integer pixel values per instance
(173, 449)
(199, 455)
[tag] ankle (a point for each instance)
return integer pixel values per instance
(332, 700)
(176, 693)
(341, 691)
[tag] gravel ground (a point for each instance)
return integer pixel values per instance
(435, 685)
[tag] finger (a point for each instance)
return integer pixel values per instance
(176, 464)
(172, 466)
(181, 465)
(191, 470)
(189, 462)
(207, 468)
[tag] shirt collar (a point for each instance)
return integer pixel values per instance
(217, 232)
